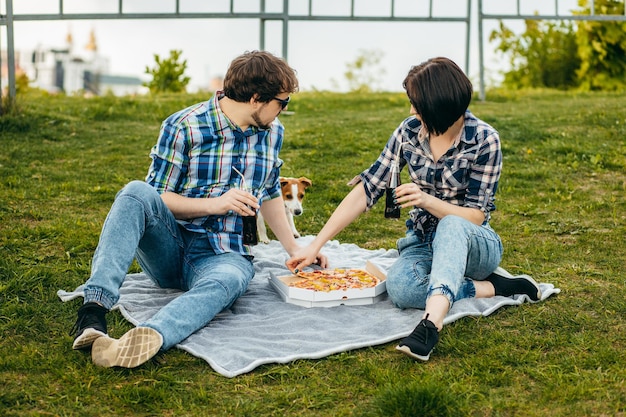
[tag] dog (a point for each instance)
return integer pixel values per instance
(293, 192)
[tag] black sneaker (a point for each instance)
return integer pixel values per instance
(421, 342)
(90, 325)
(508, 286)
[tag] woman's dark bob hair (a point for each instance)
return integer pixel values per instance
(440, 93)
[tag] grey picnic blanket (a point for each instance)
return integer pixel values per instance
(261, 328)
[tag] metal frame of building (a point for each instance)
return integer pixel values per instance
(7, 20)
(262, 15)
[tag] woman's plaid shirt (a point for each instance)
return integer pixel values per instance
(466, 175)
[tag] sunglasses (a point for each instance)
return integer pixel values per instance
(284, 103)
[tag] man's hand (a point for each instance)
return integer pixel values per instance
(236, 200)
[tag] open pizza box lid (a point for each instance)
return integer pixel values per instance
(312, 298)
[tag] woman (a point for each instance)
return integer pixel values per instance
(454, 161)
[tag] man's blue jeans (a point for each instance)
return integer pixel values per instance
(458, 253)
(140, 225)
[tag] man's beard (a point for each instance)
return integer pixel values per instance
(259, 123)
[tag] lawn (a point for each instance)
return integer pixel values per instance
(561, 212)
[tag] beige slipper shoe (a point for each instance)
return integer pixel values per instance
(134, 348)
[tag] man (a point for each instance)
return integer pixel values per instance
(214, 164)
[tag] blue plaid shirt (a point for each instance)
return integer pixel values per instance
(466, 175)
(197, 149)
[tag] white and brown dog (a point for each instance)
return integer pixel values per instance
(293, 193)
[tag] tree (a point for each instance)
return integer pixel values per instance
(21, 82)
(590, 55)
(602, 48)
(545, 55)
(168, 75)
(364, 73)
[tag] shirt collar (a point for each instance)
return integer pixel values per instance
(469, 129)
(224, 122)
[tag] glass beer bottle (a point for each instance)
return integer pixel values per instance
(250, 234)
(392, 210)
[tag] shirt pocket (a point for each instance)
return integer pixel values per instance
(455, 176)
(422, 174)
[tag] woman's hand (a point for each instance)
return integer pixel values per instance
(305, 257)
(410, 195)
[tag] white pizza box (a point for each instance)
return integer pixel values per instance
(312, 298)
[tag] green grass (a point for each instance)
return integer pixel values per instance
(561, 214)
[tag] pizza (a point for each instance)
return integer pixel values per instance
(335, 279)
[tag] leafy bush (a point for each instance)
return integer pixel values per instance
(545, 55)
(589, 55)
(168, 75)
(602, 48)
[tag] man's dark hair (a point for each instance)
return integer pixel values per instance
(439, 91)
(261, 73)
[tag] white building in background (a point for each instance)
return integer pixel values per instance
(66, 70)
